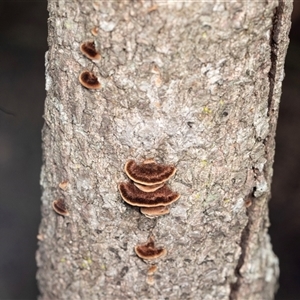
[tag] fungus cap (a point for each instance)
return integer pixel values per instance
(89, 80)
(152, 269)
(133, 196)
(149, 251)
(63, 185)
(89, 50)
(60, 207)
(148, 188)
(149, 172)
(95, 31)
(150, 279)
(152, 212)
(248, 202)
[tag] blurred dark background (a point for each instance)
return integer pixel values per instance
(23, 43)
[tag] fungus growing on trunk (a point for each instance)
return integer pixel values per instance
(95, 31)
(149, 251)
(149, 172)
(59, 206)
(150, 280)
(89, 50)
(63, 185)
(133, 196)
(89, 80)
(152, 212)
(152, 269)
(148, 188)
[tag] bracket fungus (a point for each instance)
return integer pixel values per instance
(148, 188)
(150, 279)
(149, 172)
(152, 269)
(89, 50)
(152, 212)
(148, 250)
(63, 185)
(133, 196)
(248, 202)
(95, 31)
(89, 80)
(60, 207)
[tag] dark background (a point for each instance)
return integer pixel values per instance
(23, 43)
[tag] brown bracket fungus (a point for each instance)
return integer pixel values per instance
(89, 50)
(60, 207)
(248, 202)
(152, 269)
(133, 196)
(149, 172)
(63, 185)
(150, 280)
(40, 237)
(148, 188)
(148, 250)
(95, 31)
(89, 80)
(152, 212)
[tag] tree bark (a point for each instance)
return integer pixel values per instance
(195, 84)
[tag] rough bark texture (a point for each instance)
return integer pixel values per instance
(196, 84)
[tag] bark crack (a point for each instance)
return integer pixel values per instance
(274, 95)
(245, 236)
(274, 53)
(234, 287)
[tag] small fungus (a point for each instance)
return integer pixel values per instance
(248, 202)
(133, 196)
(60, 207)
(152, 269)
(149, 161)
(158, 80)
(152, 8)
(149, 251)
(95, 31)
(40, 237)
(149, 172)
(155, 69)
(89, 50)
(148, 188)
(89, 80)
(152, 212)
(150, 280)
(96, 5)
(63, 185)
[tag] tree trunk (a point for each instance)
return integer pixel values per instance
(195, 84)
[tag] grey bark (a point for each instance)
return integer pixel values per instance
(195, 84)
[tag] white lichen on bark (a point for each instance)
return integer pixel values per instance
(187, 83)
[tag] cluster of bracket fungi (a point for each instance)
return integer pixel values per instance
(149, 192)
(148, 189)
(87, 78)
(59, 205)
(148, 251)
